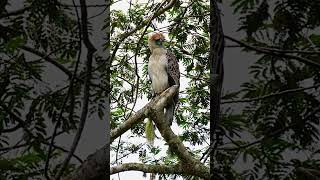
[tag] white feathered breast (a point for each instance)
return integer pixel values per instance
(157, 69)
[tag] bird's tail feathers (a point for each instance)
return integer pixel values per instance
(170, 113)
(149, 131)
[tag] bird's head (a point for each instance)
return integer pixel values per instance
(156, 40)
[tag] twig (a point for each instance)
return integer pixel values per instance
(24, 126)
(289, 51)
(88, 6)
(277, 49)
(143, 23)
(65, 99)
(135, 60)
(42, 141)
(275, 53)
(270, 95)
(15, 13)
(104, 9)
(117, 154)
(11, 129)
(135, 150)
(273, 134)
(59, 66)
(148, 168)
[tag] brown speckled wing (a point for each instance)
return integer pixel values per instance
(173, 69)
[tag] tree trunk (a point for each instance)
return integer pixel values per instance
(216, 77)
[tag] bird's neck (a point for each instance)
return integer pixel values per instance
(158, 50)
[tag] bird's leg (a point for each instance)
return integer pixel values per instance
(154, 94)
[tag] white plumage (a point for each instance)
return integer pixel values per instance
(157, 69)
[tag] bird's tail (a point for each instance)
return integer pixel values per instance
(149, 131)
(170, 113)
(170, 108)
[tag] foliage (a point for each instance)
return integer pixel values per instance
(285, 127)
(37, 42)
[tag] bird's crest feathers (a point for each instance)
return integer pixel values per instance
(155, 36)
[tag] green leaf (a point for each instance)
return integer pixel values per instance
(14, 43)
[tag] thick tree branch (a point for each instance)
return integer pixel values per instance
(141, 114)
(147, 168)
(154, 109)
(94, 167)
(189, 163)
(216, 78)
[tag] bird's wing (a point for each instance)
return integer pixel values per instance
(173, 69)
(150, 74)
(174, 79)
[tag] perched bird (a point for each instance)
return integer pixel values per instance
(163, 70)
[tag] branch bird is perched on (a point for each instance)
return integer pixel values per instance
(163, 69)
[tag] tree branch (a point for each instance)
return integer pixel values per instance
(147, 168)
(141, 25)
(141, 114)
(275, 53)
(69, 93)
(47, 58)
(276, 49)
(23, 124)
(273, 134)
(14, 13)
(91, 49)
(216, 78)
(9, 130)
(95, 166)
(189, 163)
(59, 66)
(154, 109)
(270, 95)
(309, 173)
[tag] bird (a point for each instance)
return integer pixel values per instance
(163, 70)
